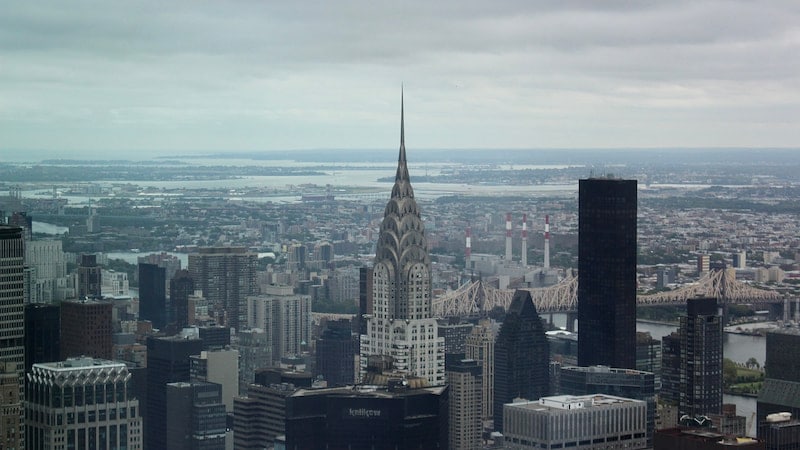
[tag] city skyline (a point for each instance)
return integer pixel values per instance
(205, 77)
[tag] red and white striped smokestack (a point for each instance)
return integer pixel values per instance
(547, 242)
(524, 240)
(468, 250)
(508, 236)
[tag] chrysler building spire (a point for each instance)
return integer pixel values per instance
(401, 325)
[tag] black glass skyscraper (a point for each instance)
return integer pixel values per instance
(152, 294)
(521, 356)
(607, 272)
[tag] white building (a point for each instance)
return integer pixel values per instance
(81, 403)
(218, 366)
(284, 316)
(578, 422)
(401, 325)
(115, 284)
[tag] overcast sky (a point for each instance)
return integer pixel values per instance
(108, 77)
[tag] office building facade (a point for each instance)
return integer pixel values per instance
(81, 403)
(153, 294)
(42, 334)
(579, 422)
(196, 418)
(521, 356)
(781, 391)
(337, 350)
(86, 329)
(353, 419)
(167, 362)
(607, 272)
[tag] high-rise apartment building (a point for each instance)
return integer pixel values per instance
(97, 412)
(196, 418)
(465, 380)
(480, 347)
(694, 375)
(607, 272)
(90, 277)
(226, 276)
(46, 258)
(181, 286)
(401, 325)
(285, 316)
(255, 352)
(86, 329)
(167, 362)
(521, 356)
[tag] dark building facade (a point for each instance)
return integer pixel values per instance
(692, 360)
(167, 362)
(86, 329)
(90, 280)
(781, 391)
(42, 334)
(344, 418)
(364, 297)
(196, 418)
(780, 433)
(215, 338)
(521, 356)
(336, 352)
(607, 272)
(152, 294)
(701, 439)
(181, 286)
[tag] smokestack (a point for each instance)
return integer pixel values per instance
(524, 240)
(547, 242)
(468, 250)
(508, 237)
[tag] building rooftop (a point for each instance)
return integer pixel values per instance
(558, 402)
(79, 363)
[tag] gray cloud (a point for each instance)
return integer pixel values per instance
(249, 75)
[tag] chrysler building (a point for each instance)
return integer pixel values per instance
(401, 325)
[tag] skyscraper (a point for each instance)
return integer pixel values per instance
(699, 365)
(181, 286)
(90, 277)
(167, 362)
(152, 294)
(226, 275)
(465, 381)
(607, 272)
(521, 356)
(42, 334)
(195, 416)
(401, 325)
(480, 347)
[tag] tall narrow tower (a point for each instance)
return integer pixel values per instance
(508, 237)
(468, 249)
(401, 325)
(607, 272)
(524, 240)
(546, 242)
